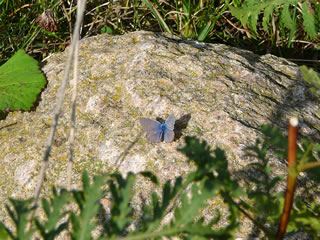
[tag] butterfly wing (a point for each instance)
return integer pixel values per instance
(168, 132)
(170, 122)
(168, 135)
(152, 128)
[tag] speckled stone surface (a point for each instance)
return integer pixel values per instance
(228, 92)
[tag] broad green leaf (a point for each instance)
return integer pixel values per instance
(21, 81)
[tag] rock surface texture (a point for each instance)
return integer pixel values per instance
(226, 92)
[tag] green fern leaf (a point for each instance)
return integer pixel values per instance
(53, 209)
(157, 213)
(83, 224)
(241, 15)
(248, 14)
(266, 17)
(286, 17)
(126, 194)
(20, 216)
(122, 193)
(254, 19)
(309, 21)
(190, 207)
(249, 11)
(168, 194)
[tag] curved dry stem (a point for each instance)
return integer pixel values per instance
(60, 97)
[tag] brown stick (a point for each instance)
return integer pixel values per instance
(292, 176)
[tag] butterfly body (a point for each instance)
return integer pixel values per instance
(156, 131)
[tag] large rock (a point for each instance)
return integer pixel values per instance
(225, 94)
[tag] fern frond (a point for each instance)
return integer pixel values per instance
(267, 14)
(253, 20)
(248, 14)
(308, 21)
(286, 17)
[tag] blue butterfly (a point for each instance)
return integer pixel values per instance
(156, 131)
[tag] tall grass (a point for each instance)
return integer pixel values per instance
(284, 28)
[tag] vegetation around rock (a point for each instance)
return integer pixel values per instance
(185, 197)
(284, 28)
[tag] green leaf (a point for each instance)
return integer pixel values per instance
(266, 17)
(190, 207)
(312, 78)
(5, 233)
(122, 192)
(205, 31)
(305, 217)
(286, 17)
(106, 30)
(87, 200)
(241, 15)
(250, 10)
(20, 216)
(54, 212)
(254, 19)
(158, 16)
(153, 178)
(21, 81)
(159, 211)
(308, 21)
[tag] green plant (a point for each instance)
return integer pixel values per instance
(22, 209)
(190, 18)
(286, 15)
(54, 212)
(20, 82)
(185, 197)
(19, 28)
(204, 185)
(269, 26)
(271, 204)
(312, 78)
